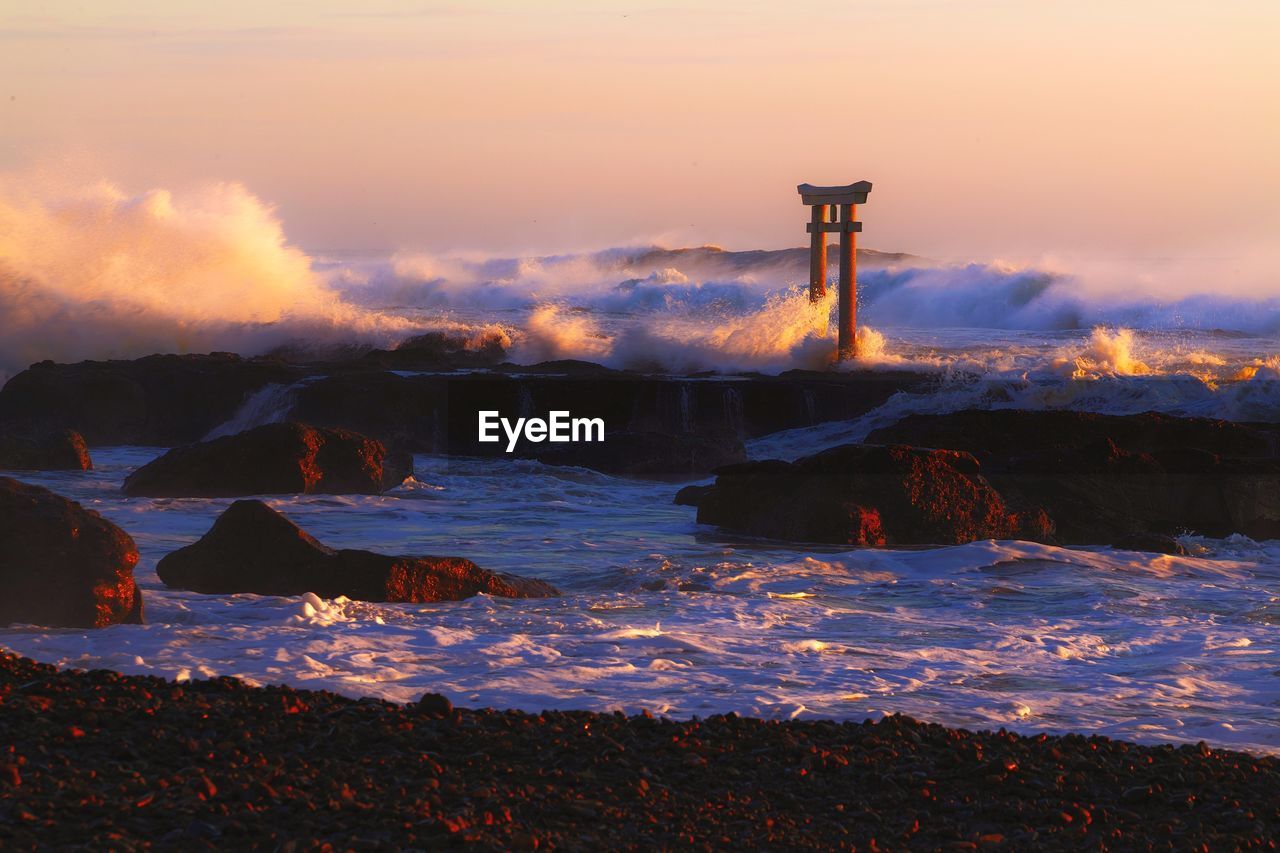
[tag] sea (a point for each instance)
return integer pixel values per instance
(992, 634)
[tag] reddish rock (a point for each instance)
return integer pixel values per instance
(252, 548)
(62, 565)
(43, 450)
(274, 459)
(1114, 479)
(867, 495)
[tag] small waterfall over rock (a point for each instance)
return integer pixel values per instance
(270, 404)
(733, 417)
(685, 410)
(524, 398)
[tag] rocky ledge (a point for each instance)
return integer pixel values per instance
(274, 459)
(425, 397)
(251, 548)
(1104, 478)
(1062, 477)
(103, 760)
(867, 495)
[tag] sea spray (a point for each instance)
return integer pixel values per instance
(96, 272)
(1108, 354)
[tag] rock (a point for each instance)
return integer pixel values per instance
(170, 400)
(273, 459)
(43, 450)
(435, 705)
(560, 367)
(646, 454)
(867, 495)
(437, 351)
(691, 495)
(158, 400)
(62, 565)
(439, 413)
(1010, 435)
(252, 548)
(1106, 478)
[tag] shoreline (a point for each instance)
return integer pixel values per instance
(101, 758)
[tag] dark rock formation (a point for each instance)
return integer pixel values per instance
(43, 450)
(1008, 436)
(62, 565)
(170, 400)
(646, 454)
(252, 548)
(274, 459)
(434, 351)
(439, 413)
(867, 495)
(158, 400)
(1110, 478)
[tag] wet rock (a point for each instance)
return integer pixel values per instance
(1106, 478)
(647, 454)
(435, 705)
(1009, 435)
(158, 400)
(436, 351)
(867, 495)
(251, 548)
(62, 565)
(43, 450)
(691, 495)
(168, 400)
(439, 413)
(560, 367)
(286, 458)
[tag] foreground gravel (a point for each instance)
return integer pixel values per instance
(105, 760)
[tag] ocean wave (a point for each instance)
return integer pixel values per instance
(95, 272)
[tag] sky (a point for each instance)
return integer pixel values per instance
(990, 129)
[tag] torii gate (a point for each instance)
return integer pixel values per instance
(821, 199)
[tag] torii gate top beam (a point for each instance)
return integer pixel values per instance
(855, 193)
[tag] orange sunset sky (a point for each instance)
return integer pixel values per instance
(990, 128)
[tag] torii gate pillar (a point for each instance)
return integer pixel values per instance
(822, 222)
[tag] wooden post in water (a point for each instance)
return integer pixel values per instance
(848, 347)
(818, 254)
(847, 198)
